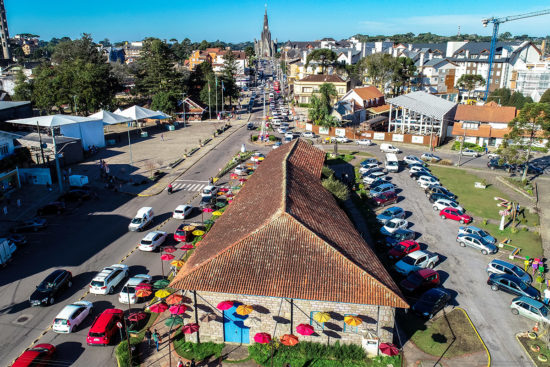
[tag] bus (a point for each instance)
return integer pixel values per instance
(392, 163)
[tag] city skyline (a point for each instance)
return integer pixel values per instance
(307, 20)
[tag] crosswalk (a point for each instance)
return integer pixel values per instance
(190, 186)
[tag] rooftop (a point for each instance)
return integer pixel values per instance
(424, 103)
(321, 78)
(486, 113)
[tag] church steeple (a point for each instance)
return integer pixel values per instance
(265, 47)
(266, 24)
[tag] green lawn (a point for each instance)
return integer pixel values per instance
(529, 242)
(339, 159)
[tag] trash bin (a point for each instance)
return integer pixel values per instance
(170, 127)
(144, 134)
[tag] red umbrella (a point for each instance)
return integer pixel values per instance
(230, 195)
(190, 328)
(389, 349)
(145, 286)
(225, 305)
(178, 309)
(242, 179)
(262, 338)
(158, 307)
(167, 257)
(169, 249)
(289, 340)
(187, 247)
(233, 176)
(305, 329)
(137, 316)
(224, 189)
(207, 210)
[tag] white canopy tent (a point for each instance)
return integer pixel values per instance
(110, 118)
(139, 113)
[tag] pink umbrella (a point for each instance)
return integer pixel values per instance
(262, 338)
(178, 309)
(207, 210)
(158, 307)
(187, 247)
(225, 305)
(190, 328)
(145, 286)
(169, 249)
(167, 257)
(137, 316)
(233, 176)
(242, 179)
(305, 329)
(230, 195)
(224, 189)
(389, 349)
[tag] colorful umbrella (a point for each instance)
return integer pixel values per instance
(252, 321)
(229, 201)
(225, 305)
(244, 310)
(224, 189)
(289, 340)
(167, 257)
(198, 232)
(262, 338)
(173, 321)
(242, 179)
(389, 349)
(137, 316)
(353, 320)
(162, 283)
(177, 263)
(209, 317)
(217, 213)
(220, 204)
(220, 193)
(158, 307)
(174, 299)
(141, 293)
(233, 176)
(260, 159)
(209, 221)
(230, 195)
(190, 328)
(207, 210)
(189, 228)
(163, 293)
(178, 309)
(187, 247)
(321, 317)
(305, 329)
(145, 286)
(169, 249)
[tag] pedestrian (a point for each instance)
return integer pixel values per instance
(19, 203)
(156, 339)
(546, 295)
(180, 363)
(5, 210)
(486, 150)
(148, 336)
(193, 364)
(162, 136)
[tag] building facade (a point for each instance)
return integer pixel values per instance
(265, 47)
(4, 33)
(305, 88)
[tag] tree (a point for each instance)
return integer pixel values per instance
(470, 82)
(377, 68)
(531, 124)
(500, 96)
(545, 98)
(322, 56)
(230, 70)
(403, 70)
(23, 87)
(321, 106)
(105, 43)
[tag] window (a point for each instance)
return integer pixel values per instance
(349, 328)
(4, 149)
(307, 89)
(316, 325)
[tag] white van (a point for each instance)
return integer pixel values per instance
(142, 219)
(388, 148)
(392, 163)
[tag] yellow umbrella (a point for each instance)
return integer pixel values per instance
(189, 228)
(163, 293)
(217, 213)
(261, 158)
(321, 317)
(177, 263)
(244, 310)
(198, 232)
(353, 320)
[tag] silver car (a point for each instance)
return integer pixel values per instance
(530, 308)
(477, 243)
(498, 266)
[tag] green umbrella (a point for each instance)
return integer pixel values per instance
(220, 205)
(173, 321)
(209, 221)
(160, 284)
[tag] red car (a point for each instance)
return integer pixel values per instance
(181, 235)
(402, 249)
(38, 356)
(455, 214)
(104, 329)
(385, 198)
(420, 281)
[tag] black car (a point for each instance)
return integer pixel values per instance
(436, 196)
(207, 202)
(50, 288)
(437, 189)
(513, 285)
(423, 165)
(75, 195)
(250, 126)
(17, 239)
(431, 302)
(55, 207)
(416, 175)
(531, 169)
(377, 182)
(497, 164)
(399, 235)
(34, 224)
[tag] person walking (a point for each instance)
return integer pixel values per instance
(148, 336)
(193, 364)
(156, 338)
(546, 295)
(180, 363)
(162, 136)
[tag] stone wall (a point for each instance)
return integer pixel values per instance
(275, 316)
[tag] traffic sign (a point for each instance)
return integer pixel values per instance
(119, 325)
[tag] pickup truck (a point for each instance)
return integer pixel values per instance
(415, 261)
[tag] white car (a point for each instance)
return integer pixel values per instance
(370, 178)
(425, 181)
(256, 157)
(71, 316)
(289, 136)
(393, 225)
(308, 134)
(209, 190)
(107, 279)
(492, 156)
(415, 261)
(182, 211)
(128, 293)
(430, 157)
(415, 169)
(411, 159)
(367, 167)
(445, 203)
(241, 170)
(470, 153)
(342, 139)
(152, 241)
(363, 142)
(281, 130)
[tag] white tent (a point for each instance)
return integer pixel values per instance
(51, 120)
(161, 115)
(110, 118)
(138, 113)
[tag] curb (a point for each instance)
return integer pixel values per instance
(481, 340)
(505, 182)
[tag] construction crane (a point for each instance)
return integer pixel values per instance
(496, 23)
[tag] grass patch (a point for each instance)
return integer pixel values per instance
(196, 351)
(234, 162)
(436, 337)
(528, 343)
(355, 152)
(339, 159)
(529, 242)
(524, 186)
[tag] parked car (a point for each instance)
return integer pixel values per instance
(412, 159)
(276, 145)
(498, 266)
(152, 241)
(394, 224)
(368, 161)
(470, 153)
(128, 293)
(530, 308)
(417, 175)
(478, 232)
(420, 281)
(373, 176)
(51, 287)
(497, 164)
(455, 214)
(75, 195)
(398, 236)
(281, 130)
(55, 207)
(390, 213)
(71, 316)
(431, 302)
(15, 238)
(441, 204)
(107, 279)
(182, 211)
(385, 198)
(241, 170)
(379, 181)
(40, 355)
(28, 225)
(342, 139)
(476, 242)
(492, 156)
(402, 249)
(209, 190)
(367, 171)
(181, 235)
(289, 135)
(440, 190)
(382, 188)
(367, 167)
(415, 261)
(513, 285)
(430, 157)
(206, 202)
(366, 142)
(421, 164)
(425, 181)
(436, 196)
(308, 134)
(104, 329)
(417, 169)
(250, 126)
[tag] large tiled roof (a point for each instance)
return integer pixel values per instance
(321, 78)
(366, 93)
(487, 113)
(285, 236)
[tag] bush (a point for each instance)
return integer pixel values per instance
(336, 187)
(326, 172)
(445, 162)
(514, 230)
(306, 105)
(477, 148)
(539, 149)
(254, 138)
(524, 229)
(121, 352)
(273, 138)
(484, 221)
(196, 351)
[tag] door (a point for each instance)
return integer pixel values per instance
(234, 329)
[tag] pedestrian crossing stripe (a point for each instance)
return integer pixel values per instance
(182, 186)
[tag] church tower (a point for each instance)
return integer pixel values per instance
(4, 34)
(265, 47)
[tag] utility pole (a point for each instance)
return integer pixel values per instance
(40, 140)
(461, 145)
(57, 167)
(183, 105)
(209, 104)
(216, 91)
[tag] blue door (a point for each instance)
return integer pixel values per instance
(234, 329)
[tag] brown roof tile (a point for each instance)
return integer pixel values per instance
(486, 113)
(367, 93)
(320, 78)
(285, 236)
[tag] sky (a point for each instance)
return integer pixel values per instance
(238, 21)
